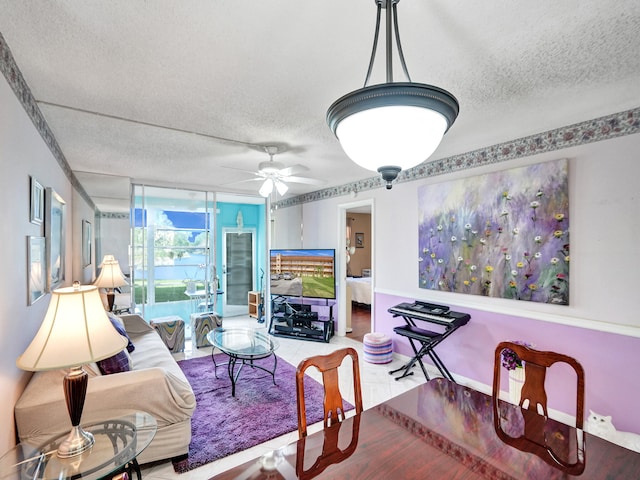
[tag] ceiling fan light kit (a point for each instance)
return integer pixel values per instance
(270, 166)
(269, 184)
(390, 127)
(271, 171)
(266, 188)
(281, 187)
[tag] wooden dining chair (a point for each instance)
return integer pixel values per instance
(533, 395)
(533, 401)
(333, 405)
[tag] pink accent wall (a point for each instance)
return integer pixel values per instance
(610, 361)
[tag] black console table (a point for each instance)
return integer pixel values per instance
(298, 320)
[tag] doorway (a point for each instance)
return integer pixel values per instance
(357, 270)
(238, 270)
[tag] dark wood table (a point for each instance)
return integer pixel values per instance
(441, 430)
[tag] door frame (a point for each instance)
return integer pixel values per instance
(236, 310)
(341, 327)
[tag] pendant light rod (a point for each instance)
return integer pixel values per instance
(389, 45)
(375, 46)
(391, 22)
(398, 44)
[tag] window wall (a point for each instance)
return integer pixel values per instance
(177, 266)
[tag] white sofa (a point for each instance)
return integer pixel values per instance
(155, 384)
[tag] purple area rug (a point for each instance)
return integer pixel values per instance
(222, 425)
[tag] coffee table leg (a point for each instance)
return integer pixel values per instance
(233, 376)
(215, 366)
(275, 365)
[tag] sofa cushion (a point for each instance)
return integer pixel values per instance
(115, 364)
(119, 326)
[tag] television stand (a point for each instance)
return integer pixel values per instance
(300, 320)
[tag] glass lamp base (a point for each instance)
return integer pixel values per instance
(77, 442)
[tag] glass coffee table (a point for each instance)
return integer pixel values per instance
(118, 441)
(242, 346)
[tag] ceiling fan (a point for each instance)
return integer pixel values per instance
(276, 175)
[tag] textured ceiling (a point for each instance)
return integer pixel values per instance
(122, 82)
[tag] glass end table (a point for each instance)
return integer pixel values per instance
(118, 441)
(243, 346)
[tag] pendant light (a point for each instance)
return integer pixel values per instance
(391, 126)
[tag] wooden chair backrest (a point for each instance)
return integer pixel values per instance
(333, 406)
(534, 397)
(536, 363)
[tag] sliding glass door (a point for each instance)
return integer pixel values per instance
(178, 269)
(172, 251)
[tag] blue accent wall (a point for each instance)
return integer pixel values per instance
(253, 217)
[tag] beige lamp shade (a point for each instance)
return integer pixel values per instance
(75, 331)
(110, 275)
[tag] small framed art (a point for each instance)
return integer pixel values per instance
(54, 231)
(36, 214)
(86, 243)
(36, 268)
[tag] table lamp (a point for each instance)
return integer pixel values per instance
(110, 277)
(75, 331)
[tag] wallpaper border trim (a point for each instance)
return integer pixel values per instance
(22, 91)
(596, 130)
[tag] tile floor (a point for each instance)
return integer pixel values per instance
(377, 386)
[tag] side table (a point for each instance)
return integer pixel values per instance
(118, 441)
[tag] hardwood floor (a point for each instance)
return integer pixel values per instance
(360, 321)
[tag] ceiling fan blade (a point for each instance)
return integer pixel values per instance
(292, 170)
(248, 180)
(250, 172)
(305, 180)
(258, 175)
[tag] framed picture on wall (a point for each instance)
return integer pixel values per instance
(36, 268)
(54, 233)
(86, 243)
(359, 240)
(503, 234)
(36, 213)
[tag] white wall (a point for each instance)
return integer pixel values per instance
(286, 228)
(605, 227)
(23, 153)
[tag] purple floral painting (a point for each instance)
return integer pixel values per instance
(504, 234)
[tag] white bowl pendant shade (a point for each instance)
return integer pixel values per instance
(402, 136)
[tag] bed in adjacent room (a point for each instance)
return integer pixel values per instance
(360, 289)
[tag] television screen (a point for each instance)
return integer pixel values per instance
(303, 273)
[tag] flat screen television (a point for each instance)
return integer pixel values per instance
(303, 273)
